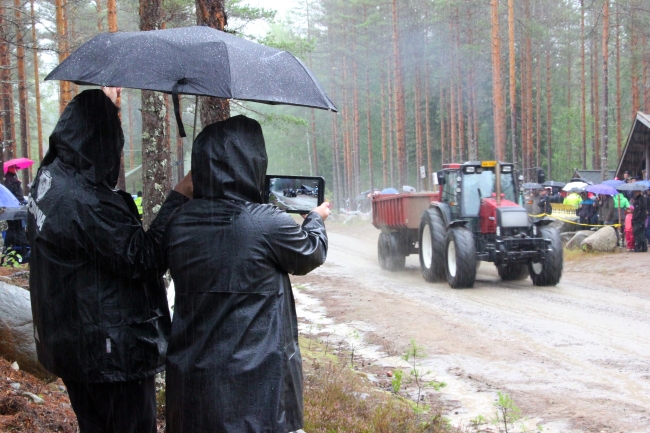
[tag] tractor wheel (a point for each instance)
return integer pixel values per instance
(432, 246)
(396, 258)
(548, 272)
(461, 257)
(516, 272)
(383, 250)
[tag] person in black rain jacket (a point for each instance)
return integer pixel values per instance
(234, 365)
(639, 217)
(101, 320)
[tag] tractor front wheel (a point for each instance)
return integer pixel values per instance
(432, 246)
(461, 258)
(548, 272)
(516, 272)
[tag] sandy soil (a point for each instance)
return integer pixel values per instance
(575, 357)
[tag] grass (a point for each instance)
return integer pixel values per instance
(338, 399)
(579, 254)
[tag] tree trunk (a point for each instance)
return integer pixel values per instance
(460, 100)
(391, 131)
(400, 108)
(418, 131)
(356, 136)
(37, 88)
(596, 81)
(634, 69)
(497, 85)
(156, 170)
(618, 83)
(513, 79)
(538, 121)
(583, 85)
(369, 132)
(427, 125)
(347, 152)
(549, 118)
(605, 105)
(529, 89)
(442, 122)
(129, 103)
(62, 48)
(22, 91)
(7, 106)
(212, 13)
(645, 61)
(452, 121)
(100, 26)
(384, 149)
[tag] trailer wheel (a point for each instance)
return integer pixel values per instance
(383, 245)
(516, 272)
(396, 259)
(432, 246)
(461, 258)
(548, 272)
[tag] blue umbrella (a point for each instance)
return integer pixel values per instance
(389, 191)
(613, 182)
(7, 199)
(601, 189)
(645, 183)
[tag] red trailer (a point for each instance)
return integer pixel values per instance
(398, 218)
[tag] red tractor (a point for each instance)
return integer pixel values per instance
(473, 217)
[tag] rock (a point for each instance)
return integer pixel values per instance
(15, 366)
(16, 330)
(15, 385)
(603, 240)
(36, 399)
(389, 374)
(576, 240)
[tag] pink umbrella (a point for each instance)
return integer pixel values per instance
(19, 163)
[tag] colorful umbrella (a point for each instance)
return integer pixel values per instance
(19, 163)
(574, 185)
(601, 189)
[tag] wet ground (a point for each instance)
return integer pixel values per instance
(575, 357)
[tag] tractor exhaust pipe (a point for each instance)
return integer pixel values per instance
(497, 172)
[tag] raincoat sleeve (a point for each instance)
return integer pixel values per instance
(297, 249)
(123, 246)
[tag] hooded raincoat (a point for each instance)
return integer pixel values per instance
(98, 302)
(234, 364)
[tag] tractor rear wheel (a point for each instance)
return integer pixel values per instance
(461, 258)
(396, 259)
(383, 245)
(432, 246)
(516, 272)
(548, 272)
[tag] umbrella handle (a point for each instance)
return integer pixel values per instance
(177, 111)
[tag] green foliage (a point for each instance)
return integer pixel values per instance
(507, 412)
(396, 381)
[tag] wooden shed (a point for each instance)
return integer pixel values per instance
(636, 154)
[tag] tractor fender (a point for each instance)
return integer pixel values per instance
(444, 211)
(542, 222)
(457, 223)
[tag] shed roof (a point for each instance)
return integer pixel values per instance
(593, 176)
(633, 156)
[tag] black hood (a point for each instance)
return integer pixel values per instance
(229, 160)
(89, 137)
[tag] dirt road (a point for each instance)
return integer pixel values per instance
(575, 357)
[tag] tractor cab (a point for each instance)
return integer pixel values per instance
(470, 188)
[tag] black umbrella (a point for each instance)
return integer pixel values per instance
(194, 61)
(532, 185)
(553, 183)
(631, 187)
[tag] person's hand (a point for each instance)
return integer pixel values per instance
(323, 210)
(112, 92)
(185, 186)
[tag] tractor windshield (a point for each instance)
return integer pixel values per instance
(485, 182)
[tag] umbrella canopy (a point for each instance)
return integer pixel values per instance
(574, 185)
(19, 163)
(194, 61)
(636, 186)
(601, 189)
(613, 182)
(7, 199)
(554, 184)
(645, 183)
(532, 185)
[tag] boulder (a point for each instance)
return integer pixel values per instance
(16, 330)
(603, 240)
(576, 240)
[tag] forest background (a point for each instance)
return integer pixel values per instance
(552, 84)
